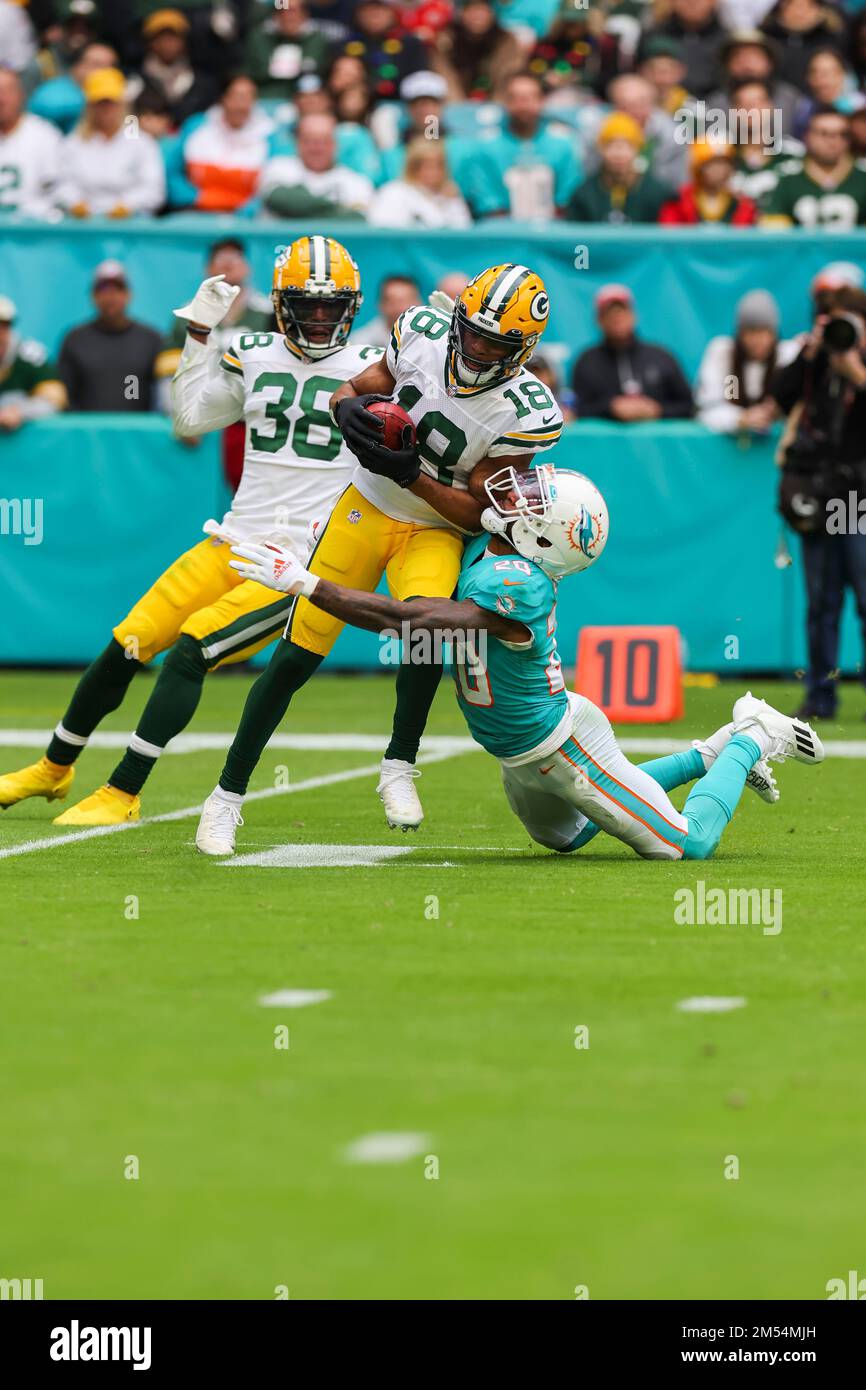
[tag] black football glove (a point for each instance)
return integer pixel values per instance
(402, 466)
(358, 426)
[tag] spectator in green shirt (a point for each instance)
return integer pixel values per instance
(284, 49)
(622, 191)
(30, 388)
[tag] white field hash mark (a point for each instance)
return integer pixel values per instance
(711, 1004)
(294, 998)
(187, 812)
(386, 1148)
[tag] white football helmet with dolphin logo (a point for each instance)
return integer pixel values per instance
(553, 516)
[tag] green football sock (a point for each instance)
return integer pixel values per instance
(100, 690)
(290, 667)
(171, 706)
(416, 690)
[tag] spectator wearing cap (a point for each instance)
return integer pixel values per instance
(64, 42)
(425, 195)
(477, 55)
(621, 191)
(526, 171)
(829, 82)
(662, 153)
(663, 65)
(834, 276)
(396, 294)
(166, 70)
(387, 51)
(747, 54)
(695, 25)
(623, 378)
(759, 165)
(109, 363)
(30, 388)
(215, 162)
(285, 48)
(710, 196)
(61, 99)
(828, 189)
(732, 392)
(424, 117)
(576, 52)
(29, 154)
(311, 183)
(104, 172)
(797, 29)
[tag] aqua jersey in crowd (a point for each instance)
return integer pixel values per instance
(524, 178)
(512, 698)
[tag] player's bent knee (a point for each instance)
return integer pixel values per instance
(699, 843)
(187, 658)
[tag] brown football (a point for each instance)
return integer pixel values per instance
(398, 431)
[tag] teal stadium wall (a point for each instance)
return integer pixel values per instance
(694, 528)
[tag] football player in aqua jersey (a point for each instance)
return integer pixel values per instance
(564, 776)
(295, 465)
(462, 377)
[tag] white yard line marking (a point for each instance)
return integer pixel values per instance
(187, 812)
(386, 1148)
(294, 998)
(367, 743)
(317, 857)
(203, 743)
(711, 1004)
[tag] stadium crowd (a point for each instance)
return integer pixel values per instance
(436, 114)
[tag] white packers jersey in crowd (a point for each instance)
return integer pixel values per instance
(30, 167)
(518, 416)
(296, 462)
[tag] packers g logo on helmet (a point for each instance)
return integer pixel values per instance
(506, 305)
(316, 295)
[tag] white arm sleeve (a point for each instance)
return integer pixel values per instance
(204, 396)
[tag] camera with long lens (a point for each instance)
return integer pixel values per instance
(841, 333)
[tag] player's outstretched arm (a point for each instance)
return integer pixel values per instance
(204, 397)
(280, 569)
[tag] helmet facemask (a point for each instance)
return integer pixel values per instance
(476, 373)
(300, 318)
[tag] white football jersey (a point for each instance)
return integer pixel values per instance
(518, 416)
(29, 167)
(296, 462)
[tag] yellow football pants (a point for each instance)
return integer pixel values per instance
(358, 545)
(200, 596)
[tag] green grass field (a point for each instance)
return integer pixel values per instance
(557, 1166)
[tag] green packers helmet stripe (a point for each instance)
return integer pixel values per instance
(509, 279)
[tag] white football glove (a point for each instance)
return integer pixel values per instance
(441, 301)
(211, 302)
(274, 566)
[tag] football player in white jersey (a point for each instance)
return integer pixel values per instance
(406, 513)
(296, 463)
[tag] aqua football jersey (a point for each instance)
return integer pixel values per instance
(512, 698)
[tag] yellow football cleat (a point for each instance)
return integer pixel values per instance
(40, 779)
(107, 806)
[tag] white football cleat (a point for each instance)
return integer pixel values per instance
(760, 779)
(790, 738)
(218, 825)
(397, 792)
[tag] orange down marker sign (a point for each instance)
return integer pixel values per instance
(633, 673)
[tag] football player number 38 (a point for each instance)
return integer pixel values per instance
(323, 442)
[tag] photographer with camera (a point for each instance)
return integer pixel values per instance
(823, 486)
